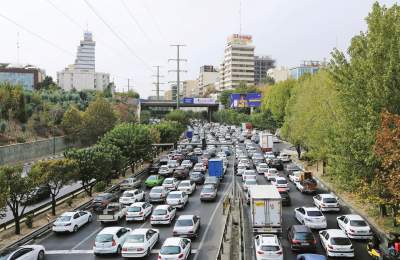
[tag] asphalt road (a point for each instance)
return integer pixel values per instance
(298, 200)
(79, 245)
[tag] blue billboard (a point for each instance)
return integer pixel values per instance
(238, 100)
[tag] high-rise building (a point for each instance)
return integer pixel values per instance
(82, 75)
(168, 94)
(190, 88)
(307, 67)
(261, 65)
(208, 77)
(238, 64)
(279, 74)
(27, 76)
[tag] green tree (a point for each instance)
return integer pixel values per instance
(169, 131)
(55, 174)
(97, 120)
(263, 120)
(72, 122)
(16, 189)
(179, 116)
(145, 117)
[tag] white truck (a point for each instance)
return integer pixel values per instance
(265, 209)
(112, 214)
(266, 142)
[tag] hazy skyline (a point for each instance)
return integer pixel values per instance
(288, 31)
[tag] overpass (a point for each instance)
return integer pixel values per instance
(211, 107)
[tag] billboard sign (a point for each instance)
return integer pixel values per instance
(238, 100)
(188, 100)
(191, 100)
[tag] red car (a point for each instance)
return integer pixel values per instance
(204, 161)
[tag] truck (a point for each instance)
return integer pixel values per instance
(265, 209)
(113, 213)
(216, 168)
(266, 142)
(306, 183)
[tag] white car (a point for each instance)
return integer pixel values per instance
(240, 169)
(271, 173)
(326, 202)
(198, 151)
(140, 242)
(26, 252)
(249, 182)
(110, 240)
(187, 164)
(187, 186)
(262, 168)
(280, 182)
(163, 214)
(187, 226)
(173, 164)
(131, 196)
(170, 184)
(311, 217)
(336, 243)
(268, 247)
(285, 158)
(138, 211)
(249, 174)
(245, 162)
(295, 176)
(177, 199)
(175, 248)
(354, 226)
(165, 170)
(199, 167)
(72, 221)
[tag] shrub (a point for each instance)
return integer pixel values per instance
(29, 220)
(3, 127)
(100, 186)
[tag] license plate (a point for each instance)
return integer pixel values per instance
(305, 244)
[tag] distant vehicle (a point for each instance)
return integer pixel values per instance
(165, 171)
(354, 226)
(290, 168)
(110, 240)
(39, 193)
(187, 164)
(285, 157)
(240, 169)
(306, 184)
(310, 257)
(113, 213)
(140, 242)
(271, 173)
(249, 174)
(187, 226)
(138, 211)
(198, 151)
(285, 197)
(326, 202)
(265, 209)
(212, 180)
(163, 214)
(130, 184)
(177, 199)
(295, 176)
(262, 168)
(199, 167)
(277, 164)
(301, 238)
(154, 180)
(197, 177)
(181, 172)
(158, 194)
(170, 184)
(71, 221)
(187, 186)
(164, 160)
(175, 248)
(268, 245)
(208, 192)
(216, 168)
(336, 243)
(249, 182)
(26, 252)
(153, 169)
(311, 217)
(101, 201)
(266, 142)
(131, 196)
(280, 183)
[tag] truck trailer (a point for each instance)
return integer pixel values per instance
(266, 142)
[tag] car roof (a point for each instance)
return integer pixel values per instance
(327, 195)
(140, 231)
(311, 209)
(186, 216)
(175, 192)
(301, 228)
(129, 191)
(108, 230)
(184, 181)
(169, 178)
(209, 186)
(162, 207)
(69, 214)
(172, 241)
(268, 239)
(280, 178)
(336, 232)
(137, 204)
(354, 217)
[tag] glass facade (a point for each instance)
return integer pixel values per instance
(26, 80)
(296, 73)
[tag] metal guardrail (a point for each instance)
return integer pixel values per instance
(226, 210)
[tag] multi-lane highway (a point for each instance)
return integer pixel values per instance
(79, 245)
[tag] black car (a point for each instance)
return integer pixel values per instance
(39, 193)
(197, 177)
(301, 238)
(153, 169)
(285, 197)
(164, 160)
(101, 201)
(277, 164)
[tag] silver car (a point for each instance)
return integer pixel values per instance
(158, 194)
(208, 192)
(187, 226)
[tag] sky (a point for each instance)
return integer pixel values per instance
(132, 36)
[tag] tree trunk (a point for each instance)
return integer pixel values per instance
(324, 163)
(17, 225)
(88, 188)
(382, 210)
(298, 149)
(53, 204)
(394, 214)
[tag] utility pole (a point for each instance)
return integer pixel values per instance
(157, 83)
(129, 80)
(178, 71)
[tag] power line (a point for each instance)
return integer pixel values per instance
(154, 21)
(178, 70)
(116, 34)
(66, 15)
(36, 35)
(135, 21)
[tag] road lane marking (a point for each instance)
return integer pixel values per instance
(211, 221)
(81, 252)
(86, 239)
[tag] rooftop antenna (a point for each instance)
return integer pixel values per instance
(18, 47)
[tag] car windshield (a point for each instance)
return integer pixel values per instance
(174, 196)
(314, 213)
(127, 194)
(102, 238)
(152, 178)
(241, 167)
(160, 212)
(195, 174)
(100, 198)
(269, 248)
(184, 222)
(251, 182)
(64, 218)
(330, 200)
(136, 238)
(170, 250)
(207, 189)
(184, 184)
(134, 209)
(340, 241)
(281, 181)
(358, 223)
(168, 181)
(304, 236)
(158, 190)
